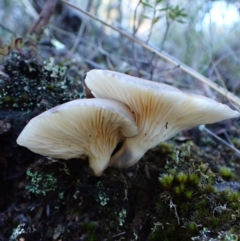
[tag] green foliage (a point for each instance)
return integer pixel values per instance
(176, 13)
(146, 4)
(173, 13)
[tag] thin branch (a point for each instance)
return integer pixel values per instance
(79, 36)
(203, 128)
(152, 23)
(135, 28)
(44, 17)
(7, 29)
(167, 28)
(168, 58)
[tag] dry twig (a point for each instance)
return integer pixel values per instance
(231, 146)
(44, 17)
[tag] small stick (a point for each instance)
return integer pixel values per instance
(44, 17)
(203, 128)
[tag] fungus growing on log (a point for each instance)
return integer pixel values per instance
(160, 110)
(90, 127)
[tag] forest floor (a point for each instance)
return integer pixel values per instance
(185, 189)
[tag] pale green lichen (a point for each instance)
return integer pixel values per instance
(122, 215)
(31, 82)
(40, 183)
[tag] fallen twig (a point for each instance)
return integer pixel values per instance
(203, 128)
(44, 17)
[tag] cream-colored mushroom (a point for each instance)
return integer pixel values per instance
(160, 110)
(90, 127)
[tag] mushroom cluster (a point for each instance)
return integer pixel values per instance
(142, 112)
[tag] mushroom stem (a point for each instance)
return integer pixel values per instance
(128, 155)
(98, 166)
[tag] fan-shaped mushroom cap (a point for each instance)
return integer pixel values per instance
(90, 127)
(160, 110)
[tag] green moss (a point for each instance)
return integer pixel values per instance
(166, 148)
(193, 179)
(189, 194)
(90, 230)
(166, 180)
(179, 189)
(192, 227)
(226, 173)
(236, 142)
(182, 177)
(233, 196)
(208, 189)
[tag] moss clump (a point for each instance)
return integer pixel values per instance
(226, 173)
(166, 148)
(166, 180)
(31, 82)
(193, 200)
(182, 177)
